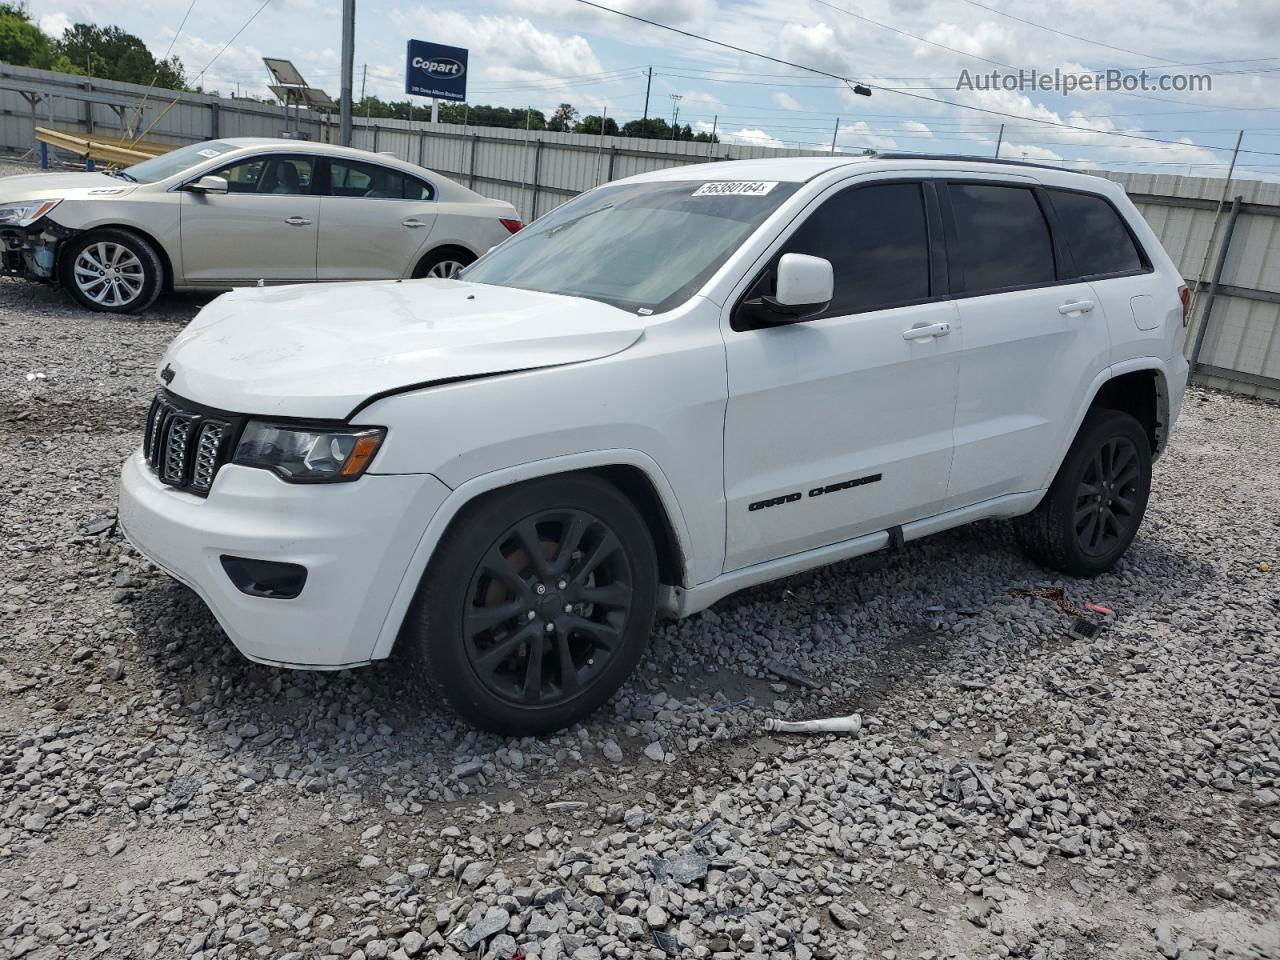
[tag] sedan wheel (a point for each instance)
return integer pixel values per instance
(109, 274)
(112, 270)
(446, 269)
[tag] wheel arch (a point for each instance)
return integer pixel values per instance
(166, 262)
(636, 475)
(1143, 393)
(452, 246)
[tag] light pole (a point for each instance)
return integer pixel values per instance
(348, 56)
(675, 112)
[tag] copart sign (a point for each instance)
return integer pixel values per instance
(434, 70)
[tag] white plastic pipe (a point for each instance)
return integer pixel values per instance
(849, 724)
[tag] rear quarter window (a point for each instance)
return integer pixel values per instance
(1099, 241)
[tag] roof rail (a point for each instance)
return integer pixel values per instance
(967, 158)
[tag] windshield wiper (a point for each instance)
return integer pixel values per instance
(122, 174)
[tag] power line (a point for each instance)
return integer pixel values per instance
(855, 87)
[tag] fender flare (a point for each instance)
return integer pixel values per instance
(466, 492)
(1155, 364)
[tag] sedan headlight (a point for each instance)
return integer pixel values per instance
(26, 213)
(309, 454)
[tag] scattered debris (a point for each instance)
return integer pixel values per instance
(986, 787)
(794, 676)
(555, 805)
(1055, 595)
(721, 707)
(1100, 609)
(685, 869)
(1086, 630)
(668, 944)
(849, 724)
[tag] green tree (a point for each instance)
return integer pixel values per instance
(22, 43)
(564, 118)
(115, 54)
(591, 124)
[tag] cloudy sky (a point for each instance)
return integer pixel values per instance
(542, 52)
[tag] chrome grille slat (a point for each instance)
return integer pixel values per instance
(185, 447)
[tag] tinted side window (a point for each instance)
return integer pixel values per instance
(877, 240)
(1099, 240)
(415, 189)
(351, 178)
(1002, 237)
(281, 175)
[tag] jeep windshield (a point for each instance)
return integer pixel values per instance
(175, 161)
(643, 247)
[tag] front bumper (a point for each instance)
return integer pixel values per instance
(32, 252)
(355, 540)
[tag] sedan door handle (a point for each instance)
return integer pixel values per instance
(298, 222)
(412, 222)
(927, 331)
(1076, 306)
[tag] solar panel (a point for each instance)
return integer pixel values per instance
(315, 97)
(285, 72)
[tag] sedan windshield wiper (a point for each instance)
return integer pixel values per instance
(122, 174)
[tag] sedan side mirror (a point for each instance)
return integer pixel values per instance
(208, 184)
(805, 286)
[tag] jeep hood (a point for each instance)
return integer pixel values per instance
(320, 350)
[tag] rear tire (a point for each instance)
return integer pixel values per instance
(112, 271)
(528, 579)
(442, 264)
(1096, 502)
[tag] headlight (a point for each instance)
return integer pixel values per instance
(308, 454)
(25, 214)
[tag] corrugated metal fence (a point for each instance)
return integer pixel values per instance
(1239, 279)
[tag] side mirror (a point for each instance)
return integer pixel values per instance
(805, 286)
(208, 184)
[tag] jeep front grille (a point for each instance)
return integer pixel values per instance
(186, 444)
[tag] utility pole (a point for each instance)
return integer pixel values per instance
(675, 112)
(999, 140)
(348, 55)
(834, 133)
(364, 79)
(647, 85)
(715, 122)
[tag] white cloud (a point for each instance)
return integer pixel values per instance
(754, 137)
(518, 49)
(55, 24)
(815, 46)
(860, 134)
(917, 128)
(786, 101)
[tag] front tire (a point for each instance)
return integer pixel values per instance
(1096, 502)
(537, 605)
(114, 271)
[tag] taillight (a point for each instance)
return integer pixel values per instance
(511, 223)
(1184, 294)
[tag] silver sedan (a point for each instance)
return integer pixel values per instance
(226, 213)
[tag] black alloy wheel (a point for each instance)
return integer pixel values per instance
(1106, 511)
(536, 605)
(1095, 505)
(547, 607)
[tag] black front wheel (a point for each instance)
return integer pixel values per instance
(536, 606)
(1095, 504)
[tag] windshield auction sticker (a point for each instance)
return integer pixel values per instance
(736, 188)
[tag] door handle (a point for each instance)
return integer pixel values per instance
(298, 222)
(412, 222)
(1076, 306)
(927, 331)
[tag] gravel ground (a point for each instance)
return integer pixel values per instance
(1012, 792)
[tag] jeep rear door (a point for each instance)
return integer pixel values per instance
(841, 425)
(1034, 338)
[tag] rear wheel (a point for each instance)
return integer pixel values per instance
(112, 270)
(442, 264)
(536, 606)
(1096, 503)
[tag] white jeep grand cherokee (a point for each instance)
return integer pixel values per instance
(670, 388)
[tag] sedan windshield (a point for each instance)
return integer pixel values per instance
(175, 161)
(644, 247)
